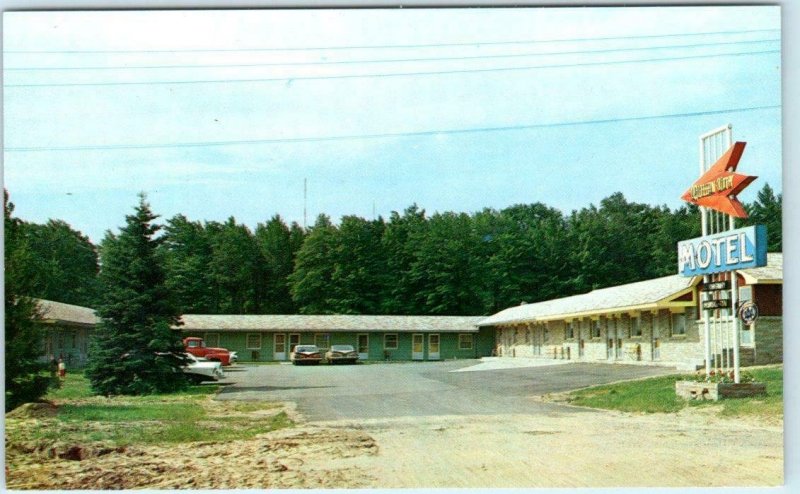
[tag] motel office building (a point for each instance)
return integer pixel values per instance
(653, 322)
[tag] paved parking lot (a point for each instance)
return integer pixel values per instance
(333, 392)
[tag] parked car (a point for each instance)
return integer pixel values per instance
(342, 353)
(305, 354)
(200, 369)
(197, 347)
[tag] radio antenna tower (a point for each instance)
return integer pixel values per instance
(305, 201)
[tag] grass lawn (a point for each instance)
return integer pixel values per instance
(183, 417)
(658, 395)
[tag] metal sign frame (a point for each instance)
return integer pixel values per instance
(712, 146)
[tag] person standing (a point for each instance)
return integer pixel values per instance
(62, 369)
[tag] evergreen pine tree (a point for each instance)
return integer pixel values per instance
(134, 350)
(767, 210)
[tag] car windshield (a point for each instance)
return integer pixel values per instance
(306, 348)
(342, 348)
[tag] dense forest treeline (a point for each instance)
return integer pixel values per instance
(411, 263)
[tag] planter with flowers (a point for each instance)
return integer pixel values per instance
(719, 385)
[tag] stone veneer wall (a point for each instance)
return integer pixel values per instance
(768, 340)
(551, 339)
(684, 349)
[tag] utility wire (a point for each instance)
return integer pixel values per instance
(420, 45)
(394, 74)
(384, 135)
(390, 60)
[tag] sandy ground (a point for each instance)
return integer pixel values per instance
(602, 449)
(595, 449)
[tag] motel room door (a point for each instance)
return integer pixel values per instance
(363, 346)
(655, 344)
(433, 347)
(279, 352)
(294, 340)
(417, 346)
(611, 337)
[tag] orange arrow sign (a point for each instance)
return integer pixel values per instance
(718, 187)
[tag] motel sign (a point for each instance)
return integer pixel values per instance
(722, 252)
(722, 249)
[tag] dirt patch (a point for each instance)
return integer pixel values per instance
(34, 411)
(277, 459)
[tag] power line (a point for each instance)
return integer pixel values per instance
(384, 135)
(419, 45)
(393, 74)
(390, 60)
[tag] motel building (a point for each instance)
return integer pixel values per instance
(653, 322)
(259, 338)
(66, 331)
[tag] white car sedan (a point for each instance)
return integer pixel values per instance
(200, 369)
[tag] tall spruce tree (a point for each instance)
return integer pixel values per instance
(767, 210)
(134, 350)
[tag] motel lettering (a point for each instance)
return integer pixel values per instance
(735, 249)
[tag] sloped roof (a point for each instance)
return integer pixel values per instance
(640, 295)
(57, 312)
(306, 323)
(772, 273)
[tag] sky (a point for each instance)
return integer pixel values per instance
(216, 114)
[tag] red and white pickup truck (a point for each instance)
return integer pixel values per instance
(197, 347)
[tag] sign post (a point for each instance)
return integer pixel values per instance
(722, 249)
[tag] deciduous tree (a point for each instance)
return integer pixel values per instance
(24, 381)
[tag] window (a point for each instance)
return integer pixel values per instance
(464, 341)
(390, 341)
(636, 326)
(193, 344)
(546, 334)
(569, 331)
(254, 341)
(596, 329)
(212, 339)
(678, 324)
(322, 340)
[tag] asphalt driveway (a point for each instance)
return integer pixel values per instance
(333, 392)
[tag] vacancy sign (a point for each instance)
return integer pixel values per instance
(718, 187)
(727, 251)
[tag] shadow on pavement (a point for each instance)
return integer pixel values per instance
(269, 388)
